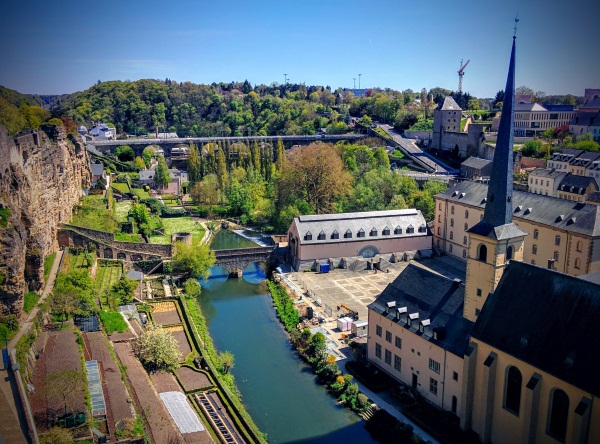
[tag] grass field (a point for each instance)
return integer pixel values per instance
(48, 261)
(31, 299)
(92, 213)
(75, 262)
(127, 237)
(178, 225)
(122, 210)
(113, 321)
(141, 193)
(121, 187)
(108, 274)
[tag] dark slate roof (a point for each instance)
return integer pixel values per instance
(366, 220)
(449, 104)
(97, 169)
(546, 172)
(558, 107)
(594, 197)
(554, 212)
(585, 158)
(591, 104)
(585, 118)
(500, 232)
(547, 319)
(576, 184)
(520, 107)
(433, 297)
(476, 162)
(566, 154)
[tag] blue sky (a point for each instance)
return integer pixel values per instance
(66, 46)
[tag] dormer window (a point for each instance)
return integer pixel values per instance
(335, 234)
(422, 229)
(361, 233)
(308, 236)
(398, 230)
(410, 229)
(321, 235)
(348, 234)
(386, 231)
(373, 232)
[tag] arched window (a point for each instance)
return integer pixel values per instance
(533, 262)
(451, 235)
(439, 231)
(512, 390)
(534, 249)
(464, 253)
(536, 233)
(577, 263)
(556, 255)
(579, 246)
(440, 206)
(559, 414)
(452, 209)
(464, 240)
(450, 248)
(557, 240)
(509, 253)
(451, 222)
(439, 219)
(482, 254)
(466, 226)
(466, 214)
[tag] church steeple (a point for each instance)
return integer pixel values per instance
(498, 210)
(495, 240)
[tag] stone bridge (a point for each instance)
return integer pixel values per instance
(237, 259)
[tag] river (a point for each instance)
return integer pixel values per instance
(278, 388)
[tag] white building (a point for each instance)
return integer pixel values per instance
(531, 119)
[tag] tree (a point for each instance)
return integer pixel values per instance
(139, 212)
(524, 90)
(147, 155)
(139, 163)
(193, 260)
(157, 349)
(64, 302)
(65, 384)
(194, 164)
(125, 153)
(192, 288)
(227, 360)
(532, 148)
(124, 289)
(162, 177)
(315, 173)
(57, 435)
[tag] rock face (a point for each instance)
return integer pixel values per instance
(41, 179)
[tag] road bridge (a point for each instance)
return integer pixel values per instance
(237, 259)
(138, 145)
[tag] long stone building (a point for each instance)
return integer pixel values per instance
(366, 234)
(566, 232)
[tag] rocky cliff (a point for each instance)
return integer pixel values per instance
(42, 175)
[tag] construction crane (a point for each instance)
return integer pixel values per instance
(461, 73)
(349, 312)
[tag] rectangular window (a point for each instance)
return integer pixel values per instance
(477, 311)
(398, 342)
(434, 365)
(433, 386)
(388, 357)
(397, 363)
(479, 292)
(378, 351)
(455, 376)
(378, 330)
(388, 336)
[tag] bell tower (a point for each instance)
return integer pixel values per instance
(495, 239)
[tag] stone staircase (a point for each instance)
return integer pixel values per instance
(368, 414)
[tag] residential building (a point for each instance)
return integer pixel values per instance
(559, 230)
(102, 132)
(582, 161)
(576, 188)
(530, 371)
(417, 334)
(475, 168)
(544, 181)
(561, 160)
(582, 121)
(98, 172)
(366, 234)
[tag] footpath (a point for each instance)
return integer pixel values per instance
(13, 426)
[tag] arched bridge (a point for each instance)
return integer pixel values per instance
(239, 258)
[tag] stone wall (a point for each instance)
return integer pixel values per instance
(40, 182)
(107, 247)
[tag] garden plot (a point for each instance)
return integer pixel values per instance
(179, 333)
(165, 313)
(179, 225)
(192, 379)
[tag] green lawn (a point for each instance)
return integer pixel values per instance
(141, 193)
(113, 321)
(397, 154)
(48, 262)
(108, 274)
(177, 225)
(92, 213)
(31, 299)
(76, 262)
(127, 237)
(381, 132)
(121, 187)
(122, 210)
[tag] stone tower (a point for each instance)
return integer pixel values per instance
(495, 239)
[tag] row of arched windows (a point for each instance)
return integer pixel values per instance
(361, 233)
(558, 404)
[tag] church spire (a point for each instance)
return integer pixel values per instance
(498, 209)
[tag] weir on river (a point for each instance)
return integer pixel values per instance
(278, 389)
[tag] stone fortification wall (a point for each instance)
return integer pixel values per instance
(107, 247)
(40, 182)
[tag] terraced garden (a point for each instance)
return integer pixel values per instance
(178, 225)
(108, 273)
